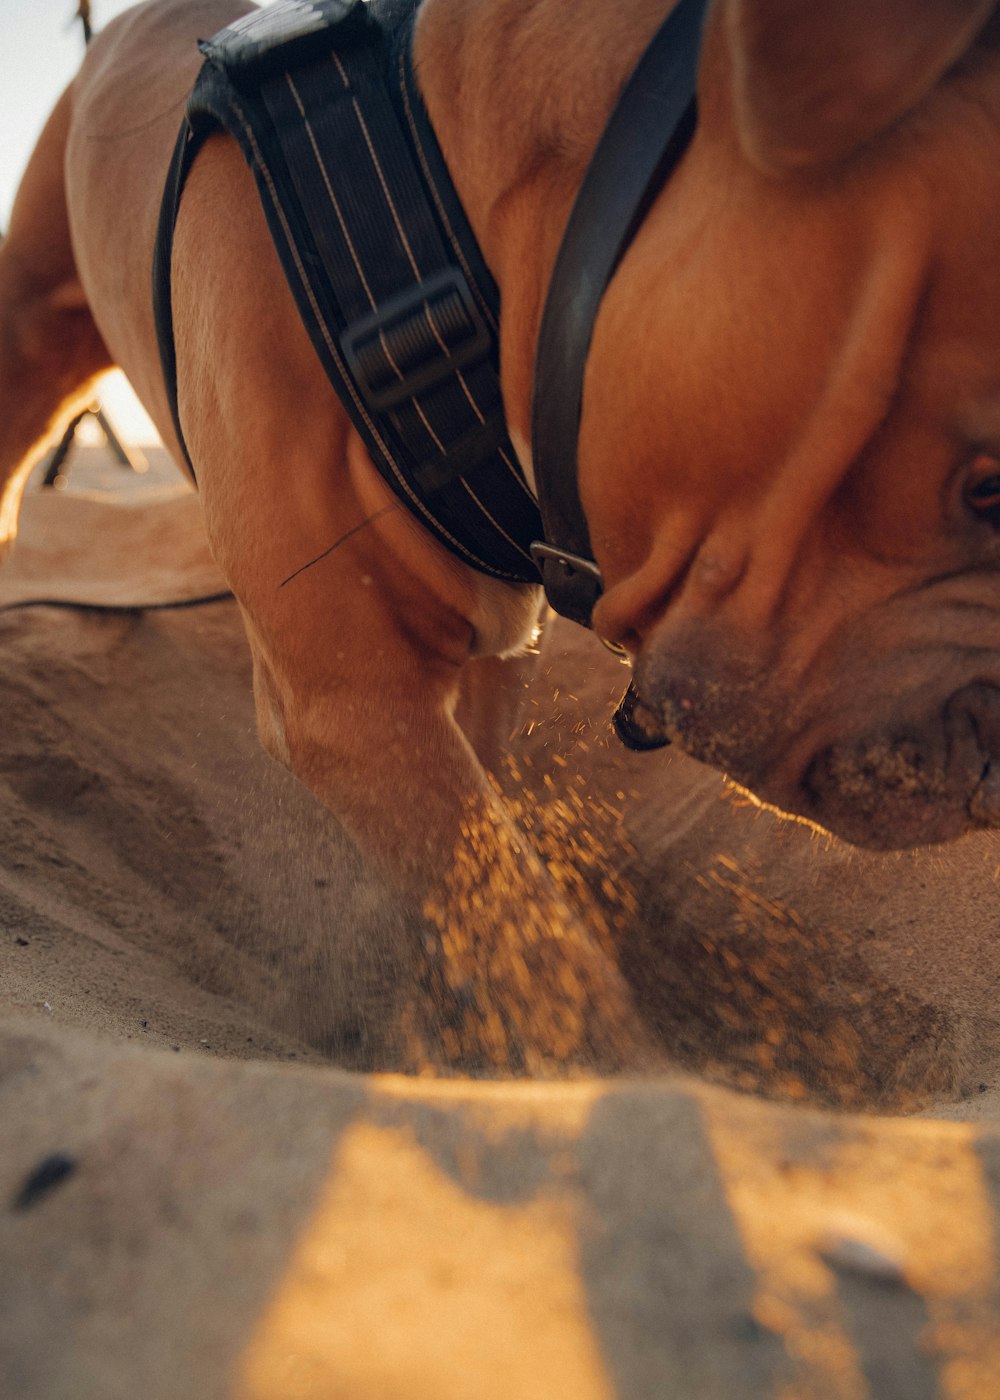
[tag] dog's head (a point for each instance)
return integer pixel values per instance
(790, 448)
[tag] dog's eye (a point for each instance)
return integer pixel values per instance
(982, 487)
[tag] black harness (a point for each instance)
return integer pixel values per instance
(385, 271)
(389, 280)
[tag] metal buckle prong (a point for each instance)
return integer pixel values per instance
(543, 553)
(572, 583)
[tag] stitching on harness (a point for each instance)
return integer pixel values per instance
(391, 204)
(458, 373)
(499, 528)
(389, 356)
(436, 334)
(385, 189)
(484, 306)
(459, 253)
(345, 79)
(423, 418)
(482, 419)
(468, 394)
(329, 189)
(503, 455)
(341, 70)
(516, 473)
(334, 355)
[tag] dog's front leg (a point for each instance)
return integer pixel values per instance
(50, 348)
(361, 626)
(504, 974)
(358, 665)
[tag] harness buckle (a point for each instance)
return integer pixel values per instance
(415, 340)
(572, 584)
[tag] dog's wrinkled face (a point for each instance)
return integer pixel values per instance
(794, 486)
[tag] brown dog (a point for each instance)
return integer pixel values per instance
(790, 450)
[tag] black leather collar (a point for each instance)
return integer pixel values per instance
(646, 135)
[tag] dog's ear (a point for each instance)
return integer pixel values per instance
(812, 80)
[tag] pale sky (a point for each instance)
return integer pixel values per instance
(40, 48)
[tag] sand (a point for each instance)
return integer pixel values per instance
(195, 1202)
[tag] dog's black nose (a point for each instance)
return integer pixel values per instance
(633, 724)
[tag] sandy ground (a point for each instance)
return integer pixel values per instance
(194, 1202)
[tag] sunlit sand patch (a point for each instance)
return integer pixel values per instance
(458, 1297)
(903, 1204)
(566, 1113)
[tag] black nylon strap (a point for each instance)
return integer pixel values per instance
(163, 247)
(646, 135)
(379, 258)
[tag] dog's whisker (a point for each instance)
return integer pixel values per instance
(355, 529)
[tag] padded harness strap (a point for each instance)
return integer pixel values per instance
(384, 268)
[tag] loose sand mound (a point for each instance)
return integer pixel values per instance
(195, 1203)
